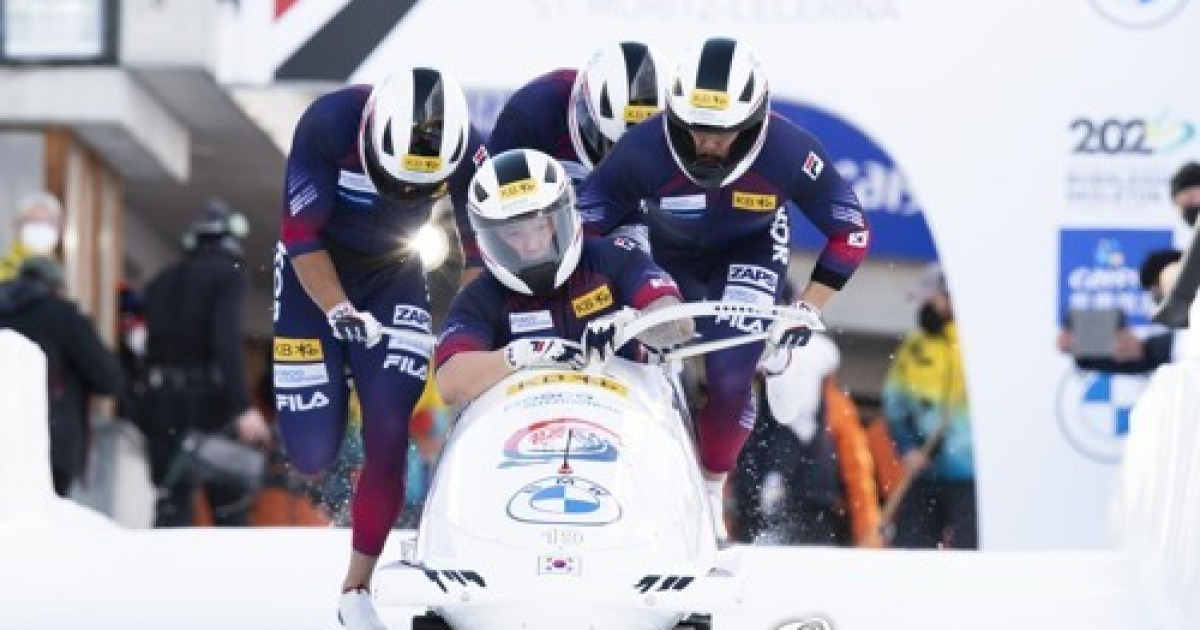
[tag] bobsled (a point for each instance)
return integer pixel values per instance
(574, 500)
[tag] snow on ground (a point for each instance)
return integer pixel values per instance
(95, 577)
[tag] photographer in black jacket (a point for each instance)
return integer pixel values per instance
(195, 378)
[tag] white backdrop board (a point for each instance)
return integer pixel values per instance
(1012, 121)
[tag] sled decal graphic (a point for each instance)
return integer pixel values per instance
(553, 398)
(565, 500)
(546, 441)
(569, 378)
(462, 578)
(664, 583)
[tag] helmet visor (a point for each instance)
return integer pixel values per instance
(707, 169)
(532, 245)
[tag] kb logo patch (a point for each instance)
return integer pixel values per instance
(593, 301)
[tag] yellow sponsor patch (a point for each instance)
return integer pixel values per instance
(754, 202)
(518, 189)
(422, 163)
(638, 113)
(569, 378)
(592, 301)
(710, 99)
(298, 350)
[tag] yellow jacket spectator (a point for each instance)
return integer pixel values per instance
(38, 232)
(925, 402)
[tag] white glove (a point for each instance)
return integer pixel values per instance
(543, 352)
(350, 324)
(600, 336)
(794, 332)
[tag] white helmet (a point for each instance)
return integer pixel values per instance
(622, 85)
(413, 133)
(522, 208)
(719, 87)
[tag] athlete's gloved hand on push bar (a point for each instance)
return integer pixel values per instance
(545, 352)
(792, 332)
(600, 336)
(350, 324)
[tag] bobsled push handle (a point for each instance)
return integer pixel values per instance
(773, 313)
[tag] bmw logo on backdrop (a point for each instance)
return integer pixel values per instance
(1094, 410)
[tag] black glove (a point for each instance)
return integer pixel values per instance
(349, 324)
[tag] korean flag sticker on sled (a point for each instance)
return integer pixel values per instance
(558, 565)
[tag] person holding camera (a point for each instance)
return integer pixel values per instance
(197, 413)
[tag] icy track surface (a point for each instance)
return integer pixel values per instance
(97, 577)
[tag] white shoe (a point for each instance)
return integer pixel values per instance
(714, 483)
(357, 612)
(716, 501)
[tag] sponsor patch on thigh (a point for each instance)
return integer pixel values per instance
(755, 276)
(747, 295)
(297, 375)
(292, 350)
(411, 317)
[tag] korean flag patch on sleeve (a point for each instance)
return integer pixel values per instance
(813, 165)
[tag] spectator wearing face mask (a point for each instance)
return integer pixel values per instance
(925, 402)
(1144, 352)
(38, 231)
(1185, 192)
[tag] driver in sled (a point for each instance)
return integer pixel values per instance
(545, 284)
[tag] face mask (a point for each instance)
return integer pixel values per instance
(1190, 213)
(930, 320)
(39, 238)
(136, 340)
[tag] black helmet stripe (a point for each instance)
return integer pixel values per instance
(715, 61)
(387, 139)
(429, 112)
(511, 167)
(748, 92)
(641, 74)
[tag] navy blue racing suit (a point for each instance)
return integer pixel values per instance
(729, 243)
(535, 117)
(612, 273)
(331, 204)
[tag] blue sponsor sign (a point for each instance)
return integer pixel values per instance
(1098, 268)
(898, 228)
